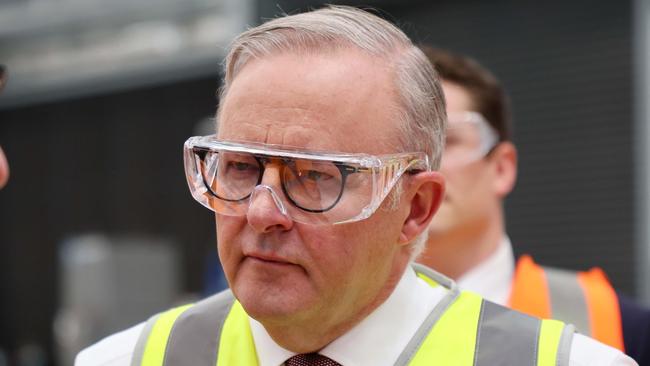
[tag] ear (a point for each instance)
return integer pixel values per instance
(504, 161)
(426, 192)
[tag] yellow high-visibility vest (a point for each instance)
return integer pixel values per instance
(461, 330)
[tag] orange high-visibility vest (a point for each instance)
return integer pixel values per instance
(585, 299)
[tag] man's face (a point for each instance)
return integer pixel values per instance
(470, 197)
(284, 271)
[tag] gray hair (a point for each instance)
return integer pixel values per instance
(422, 113)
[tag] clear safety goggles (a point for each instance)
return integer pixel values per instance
(470, 137)
(308, 187)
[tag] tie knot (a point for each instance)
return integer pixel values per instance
(310, 359)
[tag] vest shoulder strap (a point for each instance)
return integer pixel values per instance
(215, 331)
(186, 335)
(497, 335)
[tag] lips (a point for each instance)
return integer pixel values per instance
(266, 258)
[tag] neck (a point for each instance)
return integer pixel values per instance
(455, 252)
(313, 333)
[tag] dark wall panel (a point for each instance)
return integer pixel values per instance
(567, 66)
(110, 164)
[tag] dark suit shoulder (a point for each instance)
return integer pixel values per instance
(636, 329)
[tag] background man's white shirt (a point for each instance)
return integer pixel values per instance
(492, 278)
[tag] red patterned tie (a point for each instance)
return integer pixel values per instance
(310, 359)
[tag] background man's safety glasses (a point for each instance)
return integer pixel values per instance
(470, 137)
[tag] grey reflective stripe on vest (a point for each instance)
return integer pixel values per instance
(421, 334)
(564, 349)
(499, 326)
(138, 351)
(194, 338)
(568, 302)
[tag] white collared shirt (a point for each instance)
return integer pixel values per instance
(377, 340)
(492, 278)
(386, 331)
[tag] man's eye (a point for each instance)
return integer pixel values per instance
(241, 166)
(316, 176)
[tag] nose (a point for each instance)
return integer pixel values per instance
(266, 212)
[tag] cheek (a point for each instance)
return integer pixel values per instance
(328, 247)
(332, 254)
(376, 253)
(373, 242)
(229, 242)
(462, 179)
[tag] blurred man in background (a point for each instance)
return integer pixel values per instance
(467, 238)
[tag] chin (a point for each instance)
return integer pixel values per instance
(259, 303)
(271, 300)
(273, 309)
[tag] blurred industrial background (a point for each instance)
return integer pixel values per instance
(98, 230)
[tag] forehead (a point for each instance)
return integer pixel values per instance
(457, 97)
(462, 126)
(343, 100)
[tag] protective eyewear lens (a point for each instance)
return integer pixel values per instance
(314, 186)
(316, 189)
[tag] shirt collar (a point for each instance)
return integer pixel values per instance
(379, 339)
(492, 278)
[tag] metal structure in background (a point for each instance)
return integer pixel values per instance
(71, 48)
(641, 82)
(108, 284)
